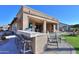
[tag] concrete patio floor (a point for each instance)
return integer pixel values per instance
(64, 48)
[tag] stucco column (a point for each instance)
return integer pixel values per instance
(33, 26)
(58, 27)
(25, 21)
(50, 28)
(54, 28)
(44, 26)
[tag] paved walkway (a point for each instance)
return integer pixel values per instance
(64, 48)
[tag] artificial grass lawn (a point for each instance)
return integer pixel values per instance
(74, 41)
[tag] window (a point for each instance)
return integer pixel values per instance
(30, 25)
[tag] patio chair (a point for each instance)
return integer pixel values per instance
(53, 39)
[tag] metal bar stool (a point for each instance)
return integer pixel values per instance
(27, 44)
(24, 44)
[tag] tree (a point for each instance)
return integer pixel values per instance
(75, 28)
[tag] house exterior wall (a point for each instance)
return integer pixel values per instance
(27, 15)
(18, 23)
(20, 19)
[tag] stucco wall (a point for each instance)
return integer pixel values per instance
(39, 44)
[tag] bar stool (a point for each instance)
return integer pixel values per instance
(18, 42)
(27, 47)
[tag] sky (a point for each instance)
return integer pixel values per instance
(7, 13)
(64, 13)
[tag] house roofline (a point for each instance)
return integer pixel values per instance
(52, 18)
(13, 20)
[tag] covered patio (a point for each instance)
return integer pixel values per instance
(42, 25)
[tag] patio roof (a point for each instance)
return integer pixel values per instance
(31, 11)
(13, 20)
